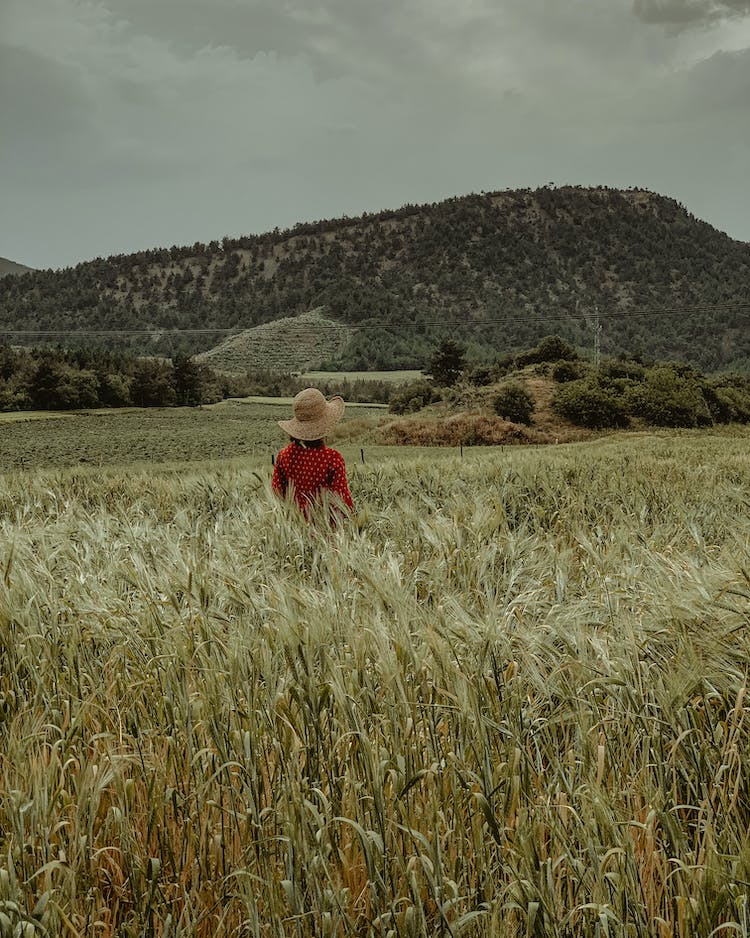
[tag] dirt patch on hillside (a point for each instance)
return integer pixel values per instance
(544, 419)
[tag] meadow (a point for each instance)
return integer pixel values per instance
(236, 428)
(509, 698)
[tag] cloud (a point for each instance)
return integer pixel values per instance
(185, 120)
(688, 12)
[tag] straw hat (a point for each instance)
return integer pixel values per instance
(313, 415)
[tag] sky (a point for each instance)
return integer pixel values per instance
(130, 124)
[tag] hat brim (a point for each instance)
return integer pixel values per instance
(315, 429)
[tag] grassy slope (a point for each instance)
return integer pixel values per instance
(288, 344)
(512, 691)
(467, 413)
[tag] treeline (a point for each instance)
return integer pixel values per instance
(74, 379)
(71, 379)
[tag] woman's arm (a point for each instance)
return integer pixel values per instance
(278, 479)
(338, 481)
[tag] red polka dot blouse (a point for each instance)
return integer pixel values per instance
(309, 471)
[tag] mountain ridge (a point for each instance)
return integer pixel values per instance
(8, 267)
(544, 259)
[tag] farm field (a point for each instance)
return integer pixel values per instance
(508, 698)
(393, 377)
(230, 429)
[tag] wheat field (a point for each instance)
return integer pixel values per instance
(508, 699)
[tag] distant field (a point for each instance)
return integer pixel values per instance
(235, 428)
(288, 401)
(396, 377)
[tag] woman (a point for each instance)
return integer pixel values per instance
(307, 468)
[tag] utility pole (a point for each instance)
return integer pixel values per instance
(597, 339)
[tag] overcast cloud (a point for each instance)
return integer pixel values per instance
(126, 124)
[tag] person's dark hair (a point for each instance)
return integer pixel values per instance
(308, 444)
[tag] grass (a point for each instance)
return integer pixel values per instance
(509, 699)
(232, 429)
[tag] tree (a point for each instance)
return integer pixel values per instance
(153, 383)
(514, 403)
(188, 383)
(448, 363)
(44, 382)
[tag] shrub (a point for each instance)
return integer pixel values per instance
(566, 370)
(550, 349)
(588, 404)
(482, 375)
(728, 399)
(514, 403)
(412, 397)
(669, 397)
(622, 368)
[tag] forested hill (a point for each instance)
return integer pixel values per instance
(541, 261)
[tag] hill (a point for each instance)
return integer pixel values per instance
(540, 261)
(293, 343)
(11, 267)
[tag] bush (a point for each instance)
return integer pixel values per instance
(514, 403)
(412, 397)
(728, 399)
(615, 368)
(566, 370)
(669, 396)
(550, 349)
(588, 404)
(482, 375)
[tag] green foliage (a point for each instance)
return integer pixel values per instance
(482, 375)
(115, 390)
(187, 381)
(566, 370)
(447, 363)
(663, 395)
(588, 403)
(669, 397)
(551, 349)
(72, 379)
(514, 403)
(728, 399)
(413, 397)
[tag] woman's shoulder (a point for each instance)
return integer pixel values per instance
(333, 455)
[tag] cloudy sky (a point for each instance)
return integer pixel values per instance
(127, 124)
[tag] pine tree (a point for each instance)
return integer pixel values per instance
(448, 363)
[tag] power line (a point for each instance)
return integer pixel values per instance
(470, 323)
